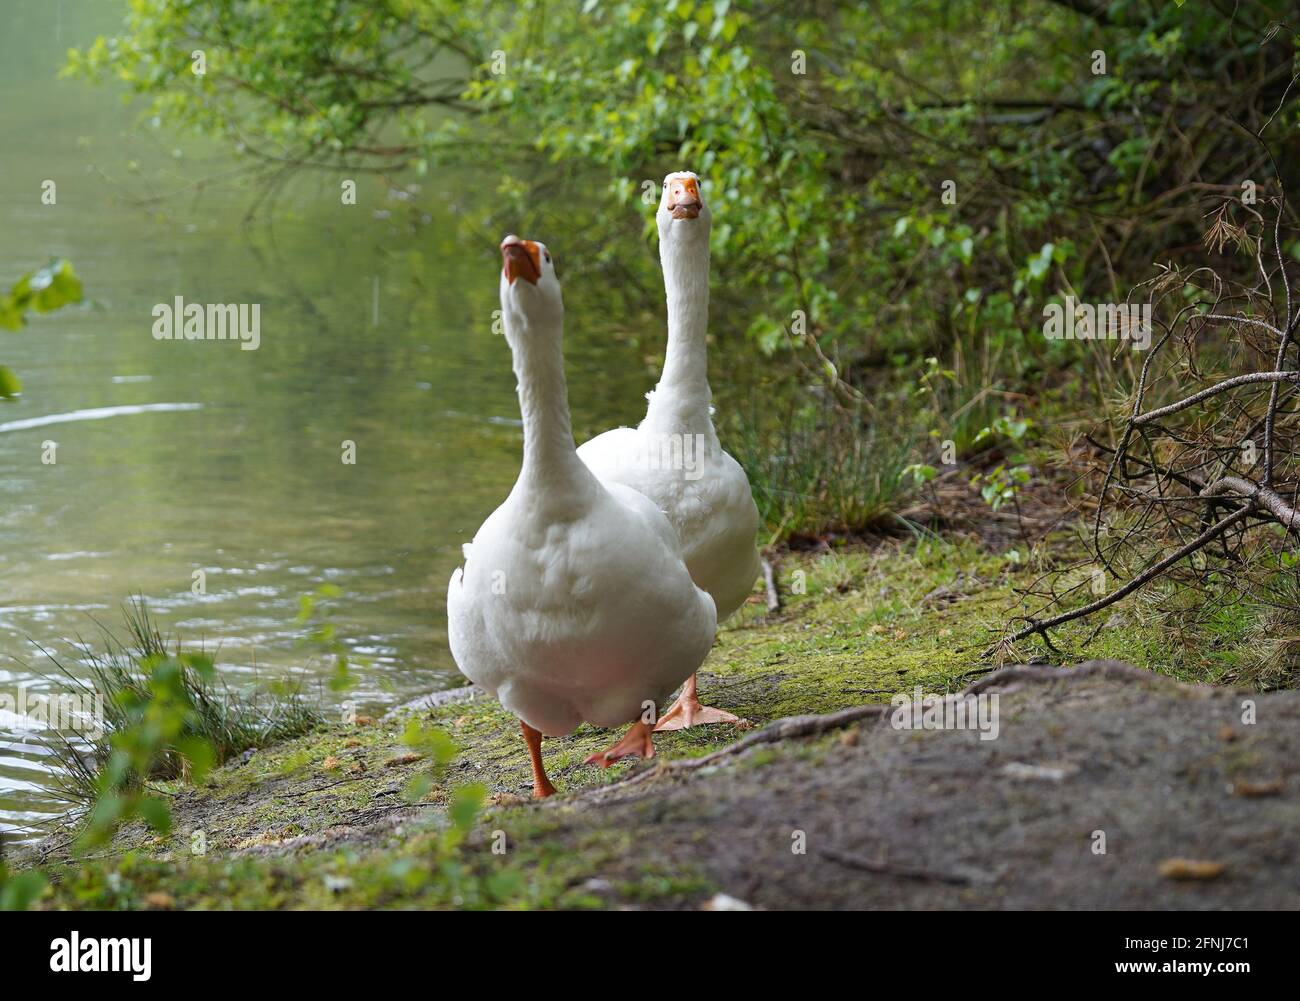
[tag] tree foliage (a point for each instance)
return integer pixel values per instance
(1067, 135)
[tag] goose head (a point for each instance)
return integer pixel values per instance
(683, 214)
(530, 291)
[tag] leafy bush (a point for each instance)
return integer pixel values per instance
(897, 174)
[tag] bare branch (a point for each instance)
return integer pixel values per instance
(1205, 394)
(1150, 574)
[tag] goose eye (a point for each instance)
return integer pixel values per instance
(548, 257)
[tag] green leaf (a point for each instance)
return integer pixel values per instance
(154, 811)
(200, 665)
(417, 787)
(767, 333)
(505, 885)
(201, 755)
(19, 892)
(10, 385)
(54, 286)
(11, 315)
(341, 680)
(466, 802)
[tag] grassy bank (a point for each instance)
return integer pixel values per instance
(323, 820)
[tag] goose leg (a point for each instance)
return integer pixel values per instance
(638, 742)
(687, 711)
(541, 784)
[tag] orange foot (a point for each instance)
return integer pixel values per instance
(687, 711)
(542, 788)
(637, 742)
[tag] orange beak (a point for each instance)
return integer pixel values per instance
(520, 259)
(684, 198)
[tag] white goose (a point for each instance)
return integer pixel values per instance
(574, 603)
(674, 457)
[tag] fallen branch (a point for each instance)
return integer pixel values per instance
(789, 728)
(794, 727)
(1177, 468)
(1152, 572)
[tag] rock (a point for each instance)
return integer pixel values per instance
(722, 902)
(434, 700)
(1045, 773)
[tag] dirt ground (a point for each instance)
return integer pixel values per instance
(919, 818)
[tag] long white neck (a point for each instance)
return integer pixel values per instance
(549, 456)
(681, 400)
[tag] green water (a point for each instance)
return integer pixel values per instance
(375, 329)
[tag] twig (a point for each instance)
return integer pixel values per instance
(327, 785)
(769, 585)
(1263, 496)
(854, 861)
(1177, 478)
(782, 729)
(1191, 401)
(1041, 626)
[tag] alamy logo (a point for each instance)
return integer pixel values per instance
(1102, 321)
(213, 321)
(82, 712)
(919, 711)
(103, 955)
(669, 452)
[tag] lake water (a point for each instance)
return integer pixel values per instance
(375, 324)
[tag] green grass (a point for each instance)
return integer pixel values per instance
(227, 720)
(823, 471)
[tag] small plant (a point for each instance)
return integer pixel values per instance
(18, 890)
(167, 716)
(439, 750)
(1272, 660)
(999, 486)
(161, 733)
(324, 636)
(1008, 427)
